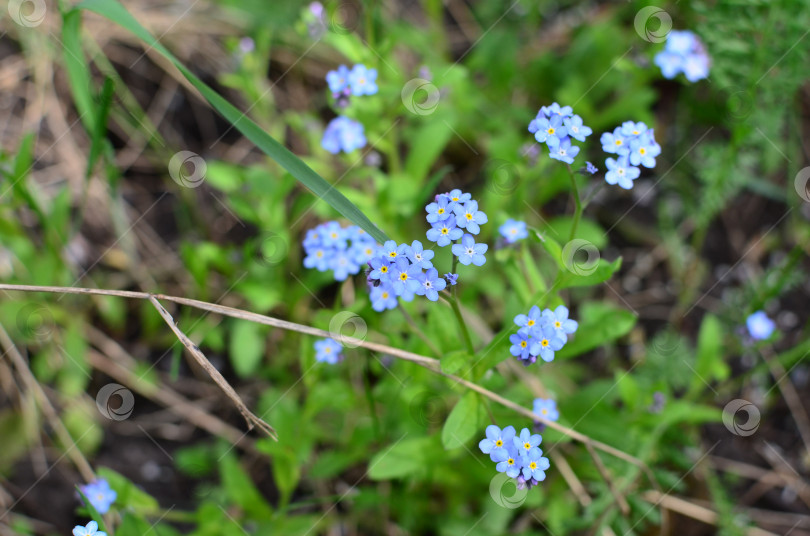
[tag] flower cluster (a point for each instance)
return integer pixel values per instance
(684, 53)
(100, 495)
(513, 230)
(760, 327)
(635, 145)
(91, 529)
(556, 126)
(519, 456)
(454, 215)
(403, 271)
(541, 334)
(328, 351)
(360, 80)
(341, 249)
(343, 134)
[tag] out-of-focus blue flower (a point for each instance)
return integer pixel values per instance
(439, 210)
(452, 279)
(496, 439)
(630, 129)
(621, 172)
(545, 341)
(615, 142)
(759, 326)
(430, 284)
(558, 319)
(468, 252)
(338, 80)
(343, 134)
(469, 217)
(564, 152)
(513, 230)
(534, 465)
(444, 232)
(547, 408)
(507, 460)
(100, 495)
(343, 250)
(420, 256)
(363, 80)
(383, 297)
(328, 351)
(91, 529)
(576, 129)
(685, 53)
(526, 441)
(554, 108)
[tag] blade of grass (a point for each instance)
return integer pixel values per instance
(114, 11)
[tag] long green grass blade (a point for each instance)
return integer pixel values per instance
(115, 12)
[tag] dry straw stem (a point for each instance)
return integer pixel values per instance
(427, 362)
(71, 450)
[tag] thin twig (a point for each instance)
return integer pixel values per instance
(600, 466)
(792, 398)
(252, 420)
(73, 452)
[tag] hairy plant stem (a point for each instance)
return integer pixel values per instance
(462, 326)
(577, 203)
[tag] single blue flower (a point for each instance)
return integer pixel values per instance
(545, 341)
(526, 441)
(439, 210)
(328, 351)
(91, 529)
(534, 465)
(363, 80)
(564, 152)
(558, 319)
(380, 269)
(630, 129)
(669, 63)
(508, 460)
(550, 131)
(470, 252)
(430, 284)
(444, 232)
(392, 251)
(621, 172)
(644, 149)
(529, 323)
(590, 168)
(338, 80)
(615, 142)
(576, 129)
(457, 196)
(100, 495)
(496, 439)
(452, 279)
(362, 253)
(520, 345)
(469, 217)
(333, 235)
(405, 277)
(420, 256)
(513, 230)
(383, 297)
(547, 408)
(343, 134)
(759, 326)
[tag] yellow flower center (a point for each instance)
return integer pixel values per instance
(440, 211)
(392, 254)
(642, 151)
(455, 198)
(533, 466)
(445, 230)
(327, 350)
(510, 461)
(557, 324)
(334, 235)
(544, 342)
(403, 276)
(527, 445)
(523, 344)
(385, 295)
(551, 130)
(384, 269)
(530, 323)
(618, 142)
(468, 216)
(636, 133)
(544, 412)
(319, 253)
(499, 443)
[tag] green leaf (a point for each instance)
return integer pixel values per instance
(453, 362)
(588, 276)
(241, 490)
(599, 324)
(427, 144)
(286, 473)
(551, 246)
(128, 493)
(462, 423)
(114, 11)
(404, 458)
(586, 230)
(246, 347)
(709, 364)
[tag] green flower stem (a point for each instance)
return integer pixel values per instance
(577, 203)
(462, 326)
